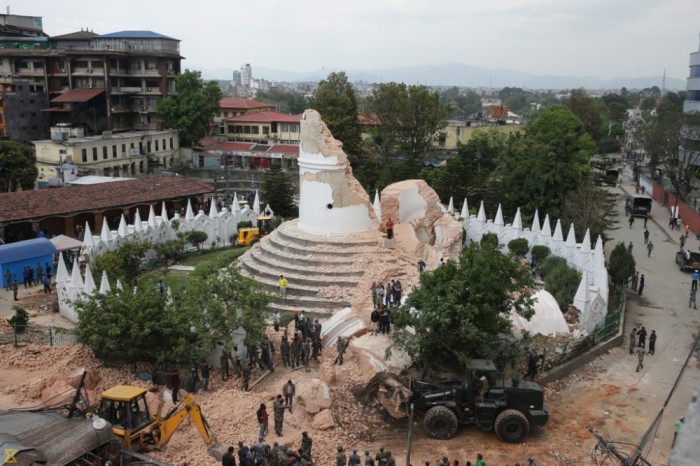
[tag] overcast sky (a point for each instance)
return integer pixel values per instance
(603, 38)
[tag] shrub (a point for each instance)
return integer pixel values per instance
(519, 247)
(560, 280)
(20, 320)
(540, 253)
(196, 237)
(489, 241)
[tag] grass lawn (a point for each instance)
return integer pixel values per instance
(195, 258)
(174, 279)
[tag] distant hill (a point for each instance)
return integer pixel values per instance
(459, 74)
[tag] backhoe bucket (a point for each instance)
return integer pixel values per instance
(217, 451)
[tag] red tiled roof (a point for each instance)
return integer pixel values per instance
(232, 102)
(77, 95)
(57, 202)
(285, 149)
(368, 119)
(266, 117)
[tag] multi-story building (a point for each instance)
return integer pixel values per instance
(264, 128)
(692, 95)
(246, 75)
(231, 106)
(689, 152)
(100, 82)
(110, 154)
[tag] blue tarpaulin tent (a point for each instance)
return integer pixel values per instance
(16, 256)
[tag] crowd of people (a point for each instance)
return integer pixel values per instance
(384, 300)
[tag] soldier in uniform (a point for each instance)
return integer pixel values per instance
(223, 361)
(390, 460)
(306, 443)
(284, 350)
(340, 459)
(296, 352)
(315, 349)
(278, 408)
(340, 345)
(354, 459)
(272, 458)
(380, 454)
(369, 461)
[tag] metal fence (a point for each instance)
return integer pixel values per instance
(38, 335)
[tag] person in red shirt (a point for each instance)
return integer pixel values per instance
(389, 229)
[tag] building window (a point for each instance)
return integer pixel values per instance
(246, 129)
(156, 146)
(148, 147)
(114, 151)
(266, 130)
(123, 150)
(171, 143)
(225, 114)
(94, 154)
(84, 154)
(254, 129)
(104, 153)
(140, 147)
(164, 147)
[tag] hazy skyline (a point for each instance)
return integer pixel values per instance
(603, 38)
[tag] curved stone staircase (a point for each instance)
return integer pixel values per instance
(323, 271)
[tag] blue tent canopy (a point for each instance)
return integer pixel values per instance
(23, 250)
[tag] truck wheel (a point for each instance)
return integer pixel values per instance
(511, 426)
(441, 422)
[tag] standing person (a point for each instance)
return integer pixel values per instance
(687, 230)
(175, 385)
(205, 368)
(261, 414)
(676, 429)
(635, 280)
(630, 246)
(640, 358)
(160, 287)
(694, 280)
(47, 268)
(633, 340)
(25, 277)
(369, 461)
(340, 459)
(276, 320)
(278, 408)
(30, 272)
(306, 443)
(650, 247)
(39, 271)
(8, 280)
(691, 299)
(47, 284)
(646, 236)
(641, 284)
(642, 337)
(354, 459)
(283, 282)
(532, 360)
(228, 458)
(380, 293)
(389, 229)
(631, 221)
(373, 291)
(296, 351)
(682, 241)
(246, 378)
(374, 319)
(289, 391)
(652, 342)
(14, 289)
(223, 362)
(306, 353)
(479, 460)
(341, 345)
(194, 377)
(284, 350)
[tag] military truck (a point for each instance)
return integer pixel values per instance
(509, 408)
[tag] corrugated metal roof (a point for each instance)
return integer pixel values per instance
(58, 439)
(28, 249)
(134, 35)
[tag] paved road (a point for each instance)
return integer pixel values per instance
(662, 307)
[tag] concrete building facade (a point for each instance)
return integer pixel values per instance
(689, 152)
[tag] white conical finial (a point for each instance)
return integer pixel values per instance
(89, 281)
(138, 227)
(76, 281)
(213, 212)
(499, 216)
(105, 234)
(377, 205)
(535, 222)
(235, 205)
(87, 237)
(189, 214)
(558, 234)
(546, 228)
(599, 247)
(571, 237)
(104, 284)
(451, 205)
(586, 244)
(122, 231)
(581, 295)
(256, 203)
(151, 217)
(518, 220)
(164, 213)
(119, 285)
(465, 209)
(481, 216)
(61, 272)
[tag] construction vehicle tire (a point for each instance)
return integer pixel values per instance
(441, 422)
(511, 426)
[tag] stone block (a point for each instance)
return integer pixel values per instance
(324, 420)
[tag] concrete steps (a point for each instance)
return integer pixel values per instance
(312, 265)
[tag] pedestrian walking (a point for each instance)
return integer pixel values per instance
(47, 284)
(276, 320)
(646, 218)
(694, 280)
(652, 342)
(289, 390)
(642, 337)
(389, 229)
(641, 285)
(646, 236)
(640, 359)
(341, 345)
(631, 221)
(676, 429)
(682, 241)
(691, 298)
(283, 282)
(261, 414)
(633, 340)
(650, 247)
(635, 280)
(630, 246)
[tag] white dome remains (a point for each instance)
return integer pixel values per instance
(548, 319)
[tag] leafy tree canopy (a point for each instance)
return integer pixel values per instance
(560, 280)
(191, 110)
(123, 263)
(459, 310)
(334, 99)
(278, 191)
(592, 208)
(621, 264)
(17, 167)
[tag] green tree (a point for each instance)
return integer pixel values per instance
(590, 207)
(124, 263)
(409, 118)
(560, 280)
(519, 247)
(191, 110)
(621, 264)
(334, 99)
(540, 168)
(278, 191)
(458, 309)
(17, 167)
(169, 250)
(588, 111)
(196, 237)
